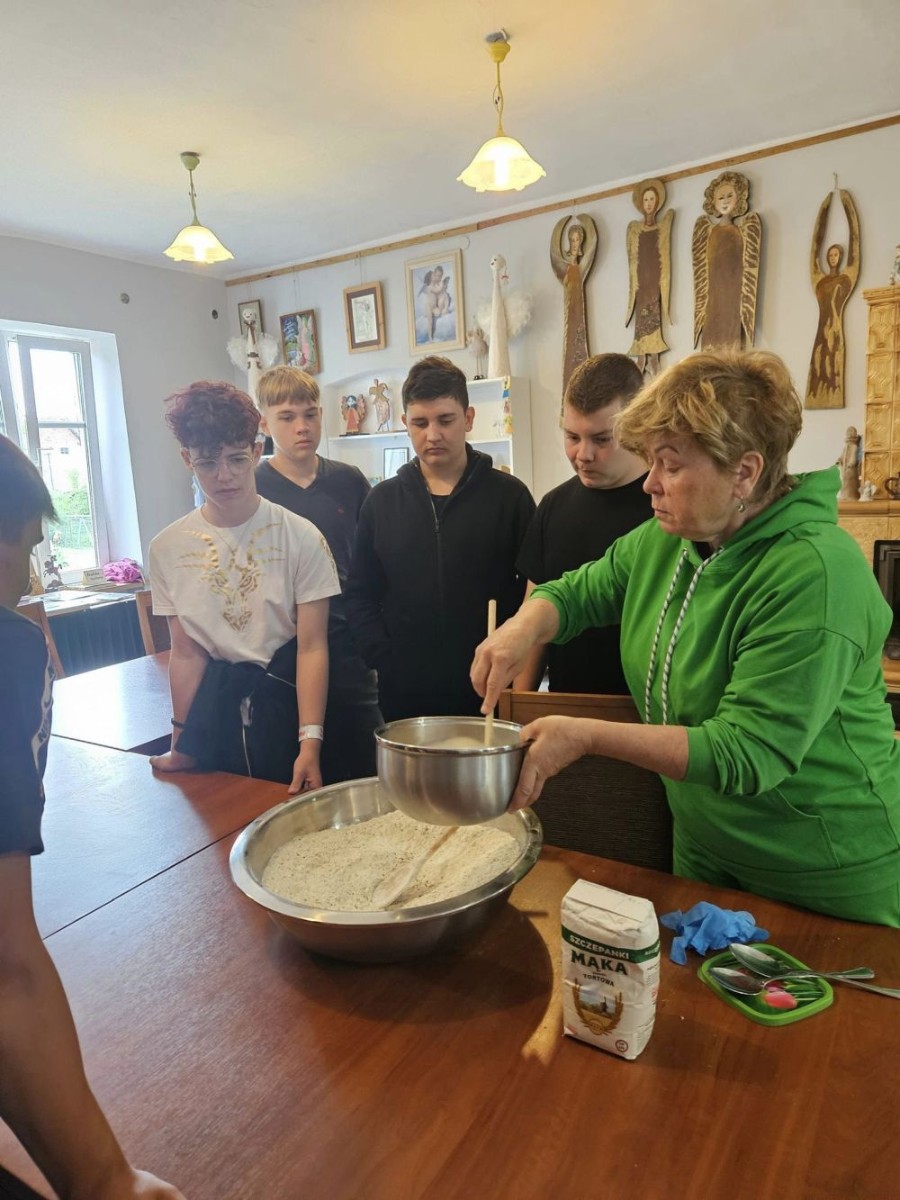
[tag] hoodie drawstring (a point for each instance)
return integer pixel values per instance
(667, 662)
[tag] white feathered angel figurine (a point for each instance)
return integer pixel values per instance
(506, 315)
(254, 353)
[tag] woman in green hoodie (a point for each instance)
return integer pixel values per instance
(752, 636)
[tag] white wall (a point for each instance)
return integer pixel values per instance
(165, 337)
(786, 190)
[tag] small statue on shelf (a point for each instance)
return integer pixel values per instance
(849, 464)
(381, 400)
(895, 274)
(353, 410)
(867, 491)
(479, 348)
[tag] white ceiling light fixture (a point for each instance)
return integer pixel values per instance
(502, 164)
(196, 243)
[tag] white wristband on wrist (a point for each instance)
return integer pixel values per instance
(316, 732)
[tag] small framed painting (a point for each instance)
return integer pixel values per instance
(434, 302)
(300, 341)
(250, 312)
(394, 458)
(364, 316)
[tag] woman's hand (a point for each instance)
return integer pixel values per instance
(140, 1185)
(307, 773)
(173, 761)
(498, 660)
(555, 742)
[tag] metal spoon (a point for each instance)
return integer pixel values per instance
(770, 967)
(397, 881)
(748, 985)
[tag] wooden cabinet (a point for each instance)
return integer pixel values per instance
(502, 426)
(881, 432)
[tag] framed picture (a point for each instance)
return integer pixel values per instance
(434, 303)
(394, 458)
(300, 341)
(364, 316)
(250, 310)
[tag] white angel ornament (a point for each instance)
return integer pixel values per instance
(254, 353)
(507, 314)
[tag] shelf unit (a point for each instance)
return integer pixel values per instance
(502, 425)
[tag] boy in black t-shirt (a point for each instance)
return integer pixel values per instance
(578, 521)
(329, 494)
(44, 1095)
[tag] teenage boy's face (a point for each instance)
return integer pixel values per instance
(590, 445)
(225, 477)
(437, 430)
(296, 429)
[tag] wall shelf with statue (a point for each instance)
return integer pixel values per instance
(502, 425)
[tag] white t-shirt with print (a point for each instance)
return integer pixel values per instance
(236, 590)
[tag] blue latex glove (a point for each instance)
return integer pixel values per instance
(708, 927)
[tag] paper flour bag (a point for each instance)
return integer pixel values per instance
(610, 968)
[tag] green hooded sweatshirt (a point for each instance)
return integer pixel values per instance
(769, 653)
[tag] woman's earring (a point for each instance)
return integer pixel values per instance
(742, 507)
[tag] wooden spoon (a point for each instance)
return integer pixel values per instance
(396, 883)
(489, 719)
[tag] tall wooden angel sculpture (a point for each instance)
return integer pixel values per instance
(572, 253)
(825, 383)
(650, 274)
(726, 251)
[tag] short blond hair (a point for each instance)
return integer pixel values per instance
(730, 403)
(286, 385)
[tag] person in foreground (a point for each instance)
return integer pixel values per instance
(45, 1097)
(752, 635)
(245, 586)
(329, 494)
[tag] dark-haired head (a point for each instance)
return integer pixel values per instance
(24, 497)
(435, 378)
(602, 380)
(207, 416)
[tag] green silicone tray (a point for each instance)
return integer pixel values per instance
(812, 995)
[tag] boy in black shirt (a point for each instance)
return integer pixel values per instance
(578, 521)
(44, 1095)
(330, 494)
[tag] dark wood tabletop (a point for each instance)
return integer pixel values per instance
(235, 1064)
(110, 823)
(125, 706)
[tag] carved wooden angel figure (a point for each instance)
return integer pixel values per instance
(849, 464)
(825, 383)
(353, 410)
(572, 260)
(726, 251)
(650, 274)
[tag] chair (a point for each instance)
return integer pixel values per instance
(154, 630)
(598, 805)
(34, 610)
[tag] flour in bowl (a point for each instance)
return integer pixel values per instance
(338, 869)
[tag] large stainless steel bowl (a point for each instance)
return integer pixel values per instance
(445, 786)
(369, 936)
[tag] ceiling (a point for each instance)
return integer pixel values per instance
(329, 124)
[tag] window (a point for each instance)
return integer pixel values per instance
(47, 395)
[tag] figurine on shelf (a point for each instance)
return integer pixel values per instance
(849, 464)
(53, 566)
(867, 491)
(479, 348)
(895, 274)
(353, 410)
(382, 403)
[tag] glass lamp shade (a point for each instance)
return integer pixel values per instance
(501, 165)
(196, 243)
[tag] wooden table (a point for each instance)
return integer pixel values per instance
(125, 706)
(240, 1067)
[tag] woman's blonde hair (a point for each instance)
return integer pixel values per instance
(730, 403)
(286, 385)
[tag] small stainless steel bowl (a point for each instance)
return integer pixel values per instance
(369, 936)
(445, 786)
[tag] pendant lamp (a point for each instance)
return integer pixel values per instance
(502, 164)
(196, 243)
